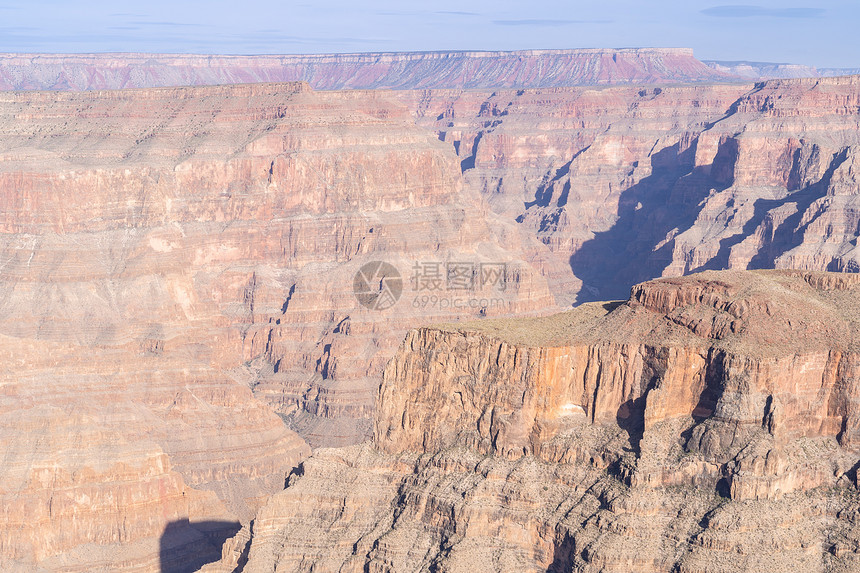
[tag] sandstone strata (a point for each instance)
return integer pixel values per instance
(176, 266)
(625, 184)
(398, 70)
(707, 424)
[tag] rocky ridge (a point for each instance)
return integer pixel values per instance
(772, 70)
(708, 423)
(765, 70)
(397, 70)
(624, 184)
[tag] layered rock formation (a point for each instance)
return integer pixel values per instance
(765, 70)
(833, 72)
(628, 183)
(708, 423)
(166, 256)
(399, 70)
(771, 70)
(179, 270)
(625, 184)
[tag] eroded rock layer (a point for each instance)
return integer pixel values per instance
(177, 268)
(707, 424)
(396, 70)
(626, 184)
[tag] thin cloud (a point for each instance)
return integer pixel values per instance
(383, 13)
(456, 13)
(547, 23)
(165, 24)
(746, 11)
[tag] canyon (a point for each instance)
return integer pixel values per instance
(623, 184)
(708, 423)
(189, 373)
(177, 270)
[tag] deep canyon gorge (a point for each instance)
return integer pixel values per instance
(662, 378)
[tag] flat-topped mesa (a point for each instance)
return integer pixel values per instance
(667, 295)
(397, 70)
(732, 361)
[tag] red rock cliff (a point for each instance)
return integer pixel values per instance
(177, 265)
(708, 423)
(626, 184)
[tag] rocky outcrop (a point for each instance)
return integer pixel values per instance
(397, 70)
(706, 424)
(177, 269)
(626, 184)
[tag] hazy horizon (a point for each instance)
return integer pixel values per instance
(819, 35)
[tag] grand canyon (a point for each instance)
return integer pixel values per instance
(623, 334)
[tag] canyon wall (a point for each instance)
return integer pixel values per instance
(624, 184)
(179, 326)
(397, 70)
(707, 424)
(177, 269)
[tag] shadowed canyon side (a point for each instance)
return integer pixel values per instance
(397, 70)
(707, 424)
(198, 285)
(625, 184)
(177, 270)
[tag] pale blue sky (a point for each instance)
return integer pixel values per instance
(820, 33)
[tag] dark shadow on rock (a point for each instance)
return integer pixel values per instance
(544, 193)
(789, 234)
(469, 161)
(707, 402)
(631, 418)
(649, 212)
(724, 488)
(187, 546)
(564, 553)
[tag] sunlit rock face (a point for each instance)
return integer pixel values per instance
(708, 423)
(178, 270)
